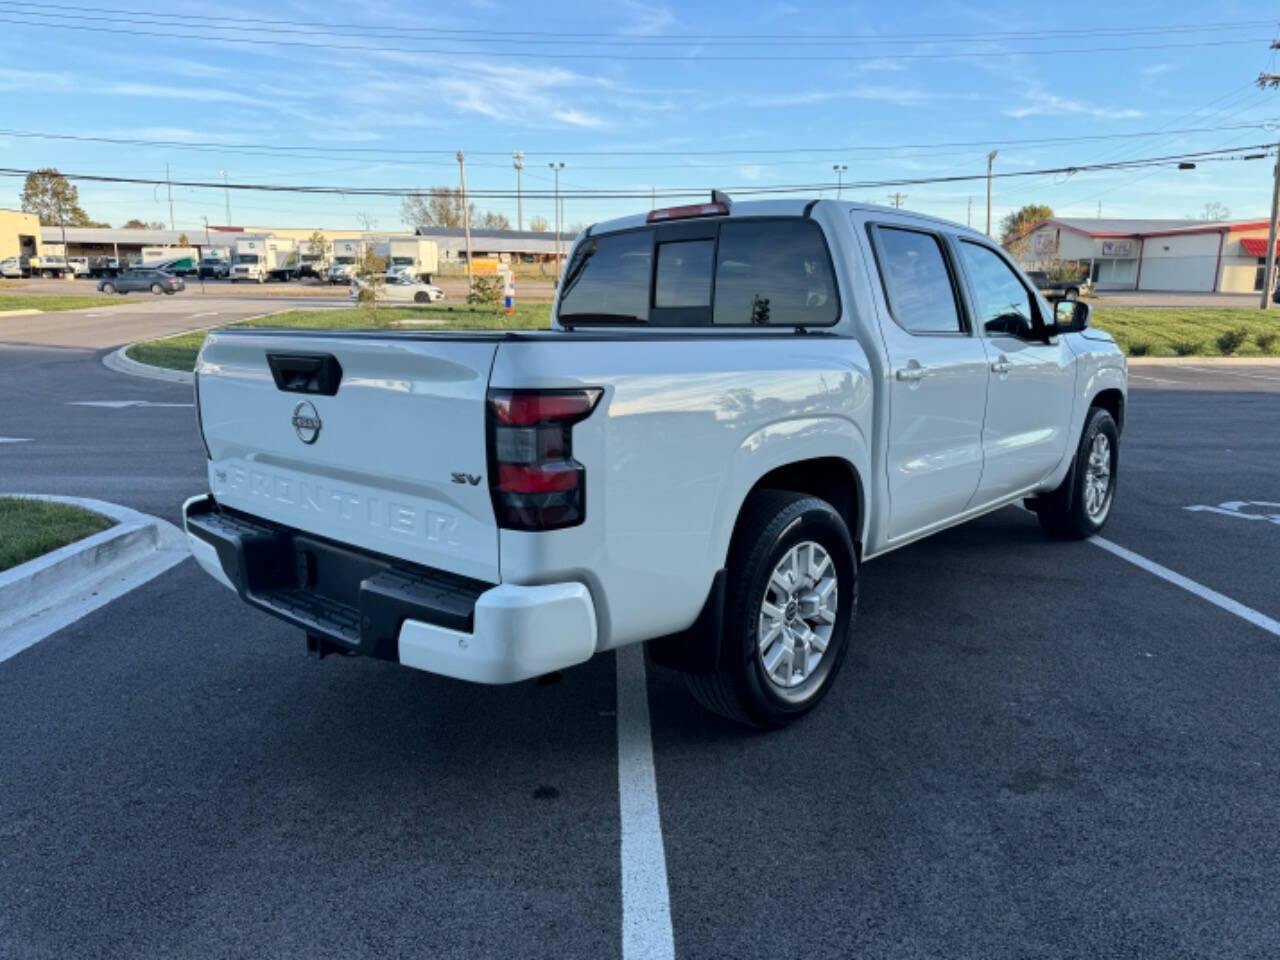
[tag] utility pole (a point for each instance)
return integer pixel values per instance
(897, 197)
(556, 169)
(169, 184)
(226, 188)
(840, 169)
(517, 161)
(991, 159)
(968, 217)
(1269, 278)
(466, 217)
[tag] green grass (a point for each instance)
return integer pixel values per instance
(179, 353)
(29, 528)
(53, 301)
(1166, 330)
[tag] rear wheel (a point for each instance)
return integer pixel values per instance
(157, 289)
(1080, 506)
(789, 611)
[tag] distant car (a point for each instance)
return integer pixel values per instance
(215, 267)
(11, 268)
(137, 279)
(401, 288)
(1059, 289)
(103, 266)
(80, 265)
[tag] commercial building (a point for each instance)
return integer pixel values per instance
(1200, 256)
(540, 245)
(19, 234)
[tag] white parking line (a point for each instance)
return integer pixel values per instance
(1233, 373)
(646, 902)
(1217, 599)
(207, 313)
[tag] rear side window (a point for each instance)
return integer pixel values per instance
(917, 283)
(608, 278)
(774, 272)
(735, 272)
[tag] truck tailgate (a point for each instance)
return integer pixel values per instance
(376, 442)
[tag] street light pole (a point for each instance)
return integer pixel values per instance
(226, 188)
(1268, 279)
(466, 218)
(517, 161)
(839, 168)
(556, 169)
(169, 185)
(991, 159)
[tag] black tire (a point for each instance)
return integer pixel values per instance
(771, 523)
(421, 297)
(1063, 514)
(157, 289)
(109, 288)
(1071, 293)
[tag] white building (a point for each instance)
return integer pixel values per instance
(1177, 255)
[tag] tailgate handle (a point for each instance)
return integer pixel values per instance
(306, 372)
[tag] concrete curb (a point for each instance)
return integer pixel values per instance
(118, 361)
(54, 590)
(1205, 361)
(31, 312)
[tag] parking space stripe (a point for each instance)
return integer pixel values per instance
(1217, 599)
(646, 901)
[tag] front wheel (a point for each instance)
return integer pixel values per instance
(421, 297)
(1080, 506)
(790, 601)
(109, 289)
(1071, 294)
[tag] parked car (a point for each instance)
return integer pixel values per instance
(137, 279)
(1060, 289)
(11, 268)
(215, 267)
(399, 287)
(735, 406)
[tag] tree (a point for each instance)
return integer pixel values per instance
(316, 245)
(182, 240)
(494, 221)
(52, 198)
(137, 224)
(539, 225)
(1015, 229)
(438, 207)
(1212, 211)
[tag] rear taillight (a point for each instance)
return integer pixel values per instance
(195, 381)
(688, 212)
(533, 479)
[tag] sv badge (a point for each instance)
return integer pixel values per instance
(471, 478)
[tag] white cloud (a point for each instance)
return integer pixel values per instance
(1040, 103)
(647, 19)
(195, 94)
(902, 96)
(751, 171)
(576, 118)
(11, 79)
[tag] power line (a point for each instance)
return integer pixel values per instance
(327, 152)
(695, 57)
(1224, 154)
(566, 37)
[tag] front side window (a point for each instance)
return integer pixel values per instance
(917, 283)
(1004, 306)
(774, 272)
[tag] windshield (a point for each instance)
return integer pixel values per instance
(402, 261)
(347, 261)
(246, 258)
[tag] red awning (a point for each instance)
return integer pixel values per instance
(1256, 246)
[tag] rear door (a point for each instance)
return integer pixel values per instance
(1032, 385)
(376, 442)
(938, 385)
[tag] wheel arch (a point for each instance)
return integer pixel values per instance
(1112, 400)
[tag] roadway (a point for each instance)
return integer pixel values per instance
(1036, 749)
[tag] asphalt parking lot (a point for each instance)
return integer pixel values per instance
(1036, 749)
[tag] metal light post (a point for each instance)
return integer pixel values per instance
(517, 161)
(991, 159)
(226, 188)
(840, 169)
(1268, 280)
(556, 169)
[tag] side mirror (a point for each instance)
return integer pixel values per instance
(1071, 316)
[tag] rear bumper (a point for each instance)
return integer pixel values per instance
(373, 605)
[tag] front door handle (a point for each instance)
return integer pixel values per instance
(912, 372)
(1002, 365)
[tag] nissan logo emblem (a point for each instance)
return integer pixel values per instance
(306, 422)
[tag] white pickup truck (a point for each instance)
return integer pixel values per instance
(735, 405)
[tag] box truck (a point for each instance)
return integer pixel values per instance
(416, 256)
(183, 261)
(265, 258)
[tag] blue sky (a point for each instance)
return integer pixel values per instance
(490, 78)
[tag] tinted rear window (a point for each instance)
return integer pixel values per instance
(736, 272)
